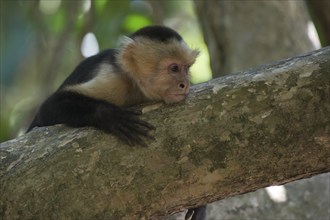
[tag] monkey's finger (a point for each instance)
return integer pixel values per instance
(121, 134)
(141, 123)
(128, 138)
(141, 127)
(134, 112)
(136, 131)
(131, 136)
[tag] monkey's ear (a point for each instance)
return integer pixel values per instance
(125, 40)
(126, 54)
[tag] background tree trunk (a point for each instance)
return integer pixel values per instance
(321, 17)
(233, 135)
(241, 35)
(244, 34)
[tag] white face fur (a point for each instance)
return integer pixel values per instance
(161, 69)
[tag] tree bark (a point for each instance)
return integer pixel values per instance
(235, 134)
(244, 34)
(241, 35)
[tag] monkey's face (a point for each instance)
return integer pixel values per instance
(169, 83)
(160, 69)
(176, 81)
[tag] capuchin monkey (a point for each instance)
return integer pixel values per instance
(150, 65)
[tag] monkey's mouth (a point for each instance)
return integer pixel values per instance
(172, 98)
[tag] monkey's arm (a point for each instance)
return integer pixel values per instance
(75, 110)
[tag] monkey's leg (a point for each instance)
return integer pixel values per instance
(198, 213)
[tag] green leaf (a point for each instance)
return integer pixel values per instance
(100, 5)
(58, 21)
(136, 21)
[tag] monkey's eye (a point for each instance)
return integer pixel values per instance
(174, 68)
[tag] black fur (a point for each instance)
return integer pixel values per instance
(159, 33)
(85, 71)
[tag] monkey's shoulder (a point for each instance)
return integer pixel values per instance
(90, 67)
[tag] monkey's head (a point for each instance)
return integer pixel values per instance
(157, 59)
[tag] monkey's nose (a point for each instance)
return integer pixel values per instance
(182, 86)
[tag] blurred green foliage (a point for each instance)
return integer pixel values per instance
(41, 40)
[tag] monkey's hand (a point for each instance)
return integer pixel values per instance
(123, 123)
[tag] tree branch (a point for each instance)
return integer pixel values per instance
(233, 135)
